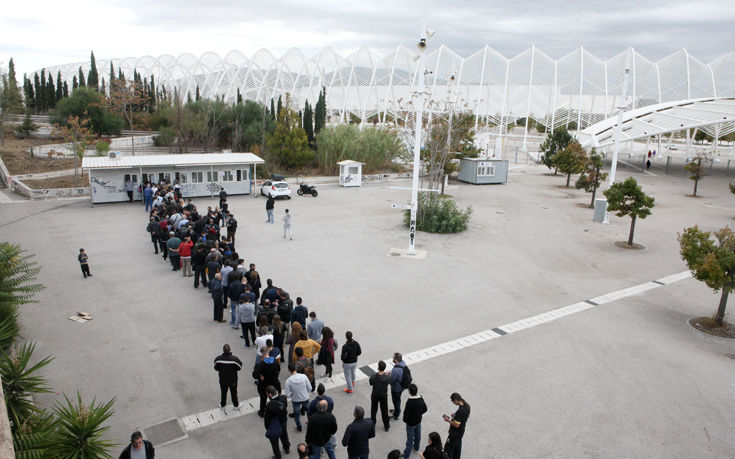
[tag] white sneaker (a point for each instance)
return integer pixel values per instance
(224, 410)
(239, 405)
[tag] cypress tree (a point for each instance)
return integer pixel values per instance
(103, 88)
(198, 97)
(29, 94)
(93, 78)
(188, 97)
(273, 111)
(308, 122)
(279, 107)
(320, 112)
(152, 96)
(43, 92)
(120, 74)
(112, 74)
(74, 83)
(81, 77)
(239, 97)
(37, 99)
(50, 92)
(66, 89)
(59, 87)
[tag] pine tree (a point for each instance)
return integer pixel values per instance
(66, 90)
(11, 99)
(93, 78)
(81, 77)
(59, 87)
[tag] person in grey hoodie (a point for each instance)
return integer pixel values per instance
(287, 225)
(246, 311)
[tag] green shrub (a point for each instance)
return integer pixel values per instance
(437, 215)
(102, 147)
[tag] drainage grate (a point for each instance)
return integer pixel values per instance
(164, 433)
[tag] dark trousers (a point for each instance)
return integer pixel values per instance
(224, 296)
(264, 399)
(217, 307)
(175, 260)
(381, 400)
(199, 274)
(154, 240)
(85, 270)
(248, 327)
(396, 396)
(130, 196)
(284, 441)
(164, 249)
(453, 446)
(223, 387)
(231, 235)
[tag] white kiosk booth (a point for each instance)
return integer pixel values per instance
(350, 173)
(204, 174)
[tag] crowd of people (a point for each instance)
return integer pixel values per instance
(284, 333)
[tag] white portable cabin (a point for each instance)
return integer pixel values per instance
(204, 174)
(350, 173)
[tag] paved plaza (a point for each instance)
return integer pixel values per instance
(609, 376)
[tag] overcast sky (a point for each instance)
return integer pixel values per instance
(44, 33)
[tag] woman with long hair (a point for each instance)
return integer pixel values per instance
(293, 338)
(309, 346)
(434, 449)
(279, 334)
(326, 354)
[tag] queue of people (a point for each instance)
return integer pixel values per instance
(279, 332)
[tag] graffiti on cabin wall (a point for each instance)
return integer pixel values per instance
(213, 187)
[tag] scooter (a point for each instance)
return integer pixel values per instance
(307, 189)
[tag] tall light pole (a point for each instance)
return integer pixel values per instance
(417, 143)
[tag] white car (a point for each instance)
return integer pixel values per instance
(275, 189)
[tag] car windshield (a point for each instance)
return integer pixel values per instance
(281, 185)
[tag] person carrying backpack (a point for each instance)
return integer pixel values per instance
(400, 378)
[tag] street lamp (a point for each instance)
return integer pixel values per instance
(425, 34)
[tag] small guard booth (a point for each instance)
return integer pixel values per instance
(204, 174)
(350, 173)
(481, 171)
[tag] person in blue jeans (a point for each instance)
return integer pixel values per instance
(412, 414)
(148, 197)
(297, 388)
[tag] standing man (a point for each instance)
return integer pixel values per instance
(227, 365)
(275, 419)
(172, 245)
(231, 227)
(84, 263)
(215, 288)
(269, 205)
(266, 374)
(129, 189)
(379, 397)
(287, 225)
(298, 388)
(226, 270)
(155, 229)
(198, 265)
(350, 351)
(299, 313)
(246, 311)
(358, 434)
(138, 448)
(185, 254)
(222, 196)
(322, 425)
(457, 423)
(314, 329)
(235, 290)
(148, 197)
(397, 376)
(415, 409)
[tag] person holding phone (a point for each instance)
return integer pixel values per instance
(457, 422)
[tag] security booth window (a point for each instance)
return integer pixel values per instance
(196, 177)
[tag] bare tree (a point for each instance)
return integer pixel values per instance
(126, 97)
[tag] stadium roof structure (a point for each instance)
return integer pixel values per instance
(578, 89)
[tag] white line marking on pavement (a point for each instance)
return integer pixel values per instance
(207, 418)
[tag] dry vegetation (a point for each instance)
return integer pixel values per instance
(66, 181)
(19, 161)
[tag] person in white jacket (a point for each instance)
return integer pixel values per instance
(287, 225)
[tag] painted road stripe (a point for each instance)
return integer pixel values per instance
(207, 418)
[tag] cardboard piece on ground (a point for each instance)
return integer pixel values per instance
(81, 317)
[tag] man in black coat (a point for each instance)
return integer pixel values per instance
(266, 374)
(358, 434)
(275, 414)
(322, 425)
(227, 365)
(137, 443)
(215, 288)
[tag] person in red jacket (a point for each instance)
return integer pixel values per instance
(185, 254)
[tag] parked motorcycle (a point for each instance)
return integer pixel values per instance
(307, 189)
